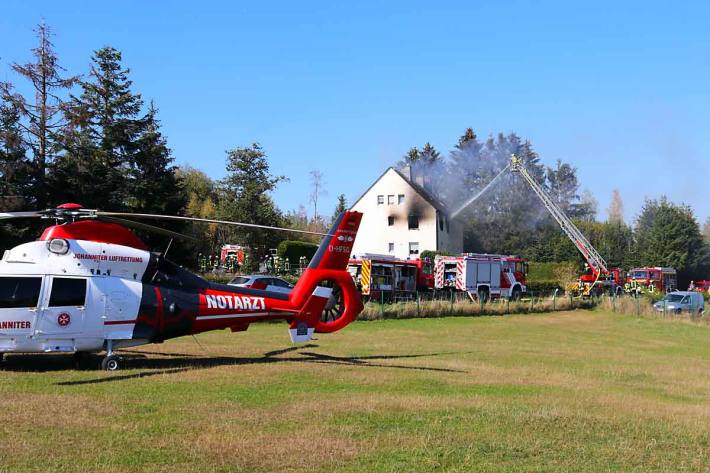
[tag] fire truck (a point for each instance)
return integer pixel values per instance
(650, 280)
(598, 278)
(482, 276)
(385, 278)
(233, 254)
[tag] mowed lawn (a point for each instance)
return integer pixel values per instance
(574, 391)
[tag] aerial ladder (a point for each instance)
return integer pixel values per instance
(594, 260)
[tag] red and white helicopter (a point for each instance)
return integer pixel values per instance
(89, 284)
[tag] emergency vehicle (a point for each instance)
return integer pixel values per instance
(384, 277)
(482, 276)
(650, 280)
(233, 253)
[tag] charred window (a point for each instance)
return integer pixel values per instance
(413, 222)
(67, 292)
(19, 292)
(390, 220)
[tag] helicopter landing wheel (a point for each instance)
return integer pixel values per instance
(111, 363)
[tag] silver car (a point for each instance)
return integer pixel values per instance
(258, 281)
(681, 301)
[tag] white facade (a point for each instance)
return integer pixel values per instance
(400, 219)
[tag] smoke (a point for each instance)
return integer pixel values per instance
(479, 194)
(495, 204)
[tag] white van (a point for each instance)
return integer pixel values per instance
(681, 301)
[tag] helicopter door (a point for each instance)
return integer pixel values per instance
(63, 306)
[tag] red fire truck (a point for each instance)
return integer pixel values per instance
(383, 277)
(658, 279)
(234, 252)
(700, 286)
(482, 276)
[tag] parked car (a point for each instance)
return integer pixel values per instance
(268, 283)
(681, 301)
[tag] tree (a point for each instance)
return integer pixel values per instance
(316, 191)
(616, 207)
(245, 197)
(340, 207)
(15, 176)
(200, 193)
(41, 119)
(101, 137)
(153, 185)
(706, 231)
(15, 168)
(668, 235)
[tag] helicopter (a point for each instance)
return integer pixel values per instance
(89, 284)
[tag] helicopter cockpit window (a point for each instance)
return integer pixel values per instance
(19, 292)
(68, 292)
(171, 275)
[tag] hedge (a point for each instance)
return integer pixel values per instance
(293, 250)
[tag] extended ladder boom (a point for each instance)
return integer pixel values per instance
(594, 259)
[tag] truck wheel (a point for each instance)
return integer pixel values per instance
(517, 293)
(483, 295)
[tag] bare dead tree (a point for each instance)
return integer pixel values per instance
(317, 190)
(42, 117)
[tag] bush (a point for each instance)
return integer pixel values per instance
(546, 287)
(293, 250)
(433, 254)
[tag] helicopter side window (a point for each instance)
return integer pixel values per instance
(67, 292)
(19, 292)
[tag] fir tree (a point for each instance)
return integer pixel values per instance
(42, 118)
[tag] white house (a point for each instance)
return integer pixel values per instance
(402, 218)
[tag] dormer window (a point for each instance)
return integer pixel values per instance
(390, 220)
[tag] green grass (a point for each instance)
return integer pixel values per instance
(571, 391)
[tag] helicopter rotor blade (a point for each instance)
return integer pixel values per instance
(205, 220)
(146, 227)
(9, 215)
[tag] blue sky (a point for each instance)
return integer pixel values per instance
(619, 91)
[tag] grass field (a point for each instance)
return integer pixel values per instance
(571, 391)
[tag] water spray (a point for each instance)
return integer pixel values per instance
(479, 194)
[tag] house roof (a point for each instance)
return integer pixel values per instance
(425, 194)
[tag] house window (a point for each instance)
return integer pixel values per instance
(441, 223)
(413, 247)
(390, 200)
(380, 199)
(390, 247)
(390, 220)
(400, 199)
(413, 222)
